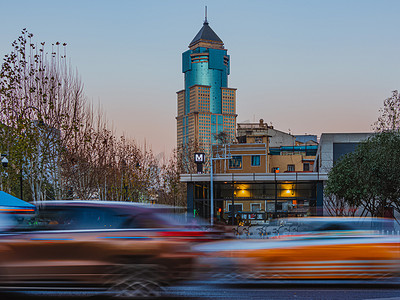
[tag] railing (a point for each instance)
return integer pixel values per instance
(267, 231)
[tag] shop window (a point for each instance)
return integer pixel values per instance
(238, 207)
(255, 207)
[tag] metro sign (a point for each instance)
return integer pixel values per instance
(199, 158)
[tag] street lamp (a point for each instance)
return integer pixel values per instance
(212, 184)
(4, 160)
(4, 163)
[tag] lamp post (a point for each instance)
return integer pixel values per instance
(4, 163)
(212, 193)
(21, 184)
(212, 185)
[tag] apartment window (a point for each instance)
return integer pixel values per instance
(258, 140)
(255, 160)
(306, 167)
(290, 168)
(235, 162)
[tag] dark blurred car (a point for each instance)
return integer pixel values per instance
(128, 249)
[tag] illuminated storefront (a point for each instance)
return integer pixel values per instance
(256, 196)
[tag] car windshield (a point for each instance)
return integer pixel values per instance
(81, 218)
(182, 220)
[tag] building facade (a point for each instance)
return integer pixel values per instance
(259, 132)
(332, 146)
(255, 196)
(259, 182)
(285, 152)
(206, 106)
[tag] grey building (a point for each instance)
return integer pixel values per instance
(334, 145)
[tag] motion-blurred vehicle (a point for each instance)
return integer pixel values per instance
(125, 248)
(312, 249)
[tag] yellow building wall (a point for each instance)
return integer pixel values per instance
(255, 139)
(282, 162)
(244, 150)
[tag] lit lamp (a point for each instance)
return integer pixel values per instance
(4, 160)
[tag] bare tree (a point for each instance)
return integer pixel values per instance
(389, 119)
(61, 146)
(173, 192)
(223, 137)
(39, 98)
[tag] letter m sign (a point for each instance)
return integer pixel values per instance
(199, 158)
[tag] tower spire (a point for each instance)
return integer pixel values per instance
(205, 20)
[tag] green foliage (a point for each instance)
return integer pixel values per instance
(369, 177)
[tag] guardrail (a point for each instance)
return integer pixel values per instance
(268, 231)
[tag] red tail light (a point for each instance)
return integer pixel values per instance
(188, 236)
(182, 233)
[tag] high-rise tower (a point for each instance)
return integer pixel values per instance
(206, 106)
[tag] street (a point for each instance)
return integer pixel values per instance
(288, 292)
(210, 290)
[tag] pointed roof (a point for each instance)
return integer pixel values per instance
(206, 34)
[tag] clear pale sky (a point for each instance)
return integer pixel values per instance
(308, 66)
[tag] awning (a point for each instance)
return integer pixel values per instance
(11, 204)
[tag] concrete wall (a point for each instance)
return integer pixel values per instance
(325, 153)
(280, 138)
(331, 147)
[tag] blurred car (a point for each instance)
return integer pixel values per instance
(6, 222)
(312, 248)
(128, 249)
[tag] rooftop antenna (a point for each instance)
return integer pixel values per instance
(205, 20)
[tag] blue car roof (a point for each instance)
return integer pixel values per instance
(9, 201)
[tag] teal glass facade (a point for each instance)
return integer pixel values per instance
(212, 71)
(206, 105)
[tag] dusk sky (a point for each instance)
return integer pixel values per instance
(307, 66)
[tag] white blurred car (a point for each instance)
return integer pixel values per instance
(316, 249)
